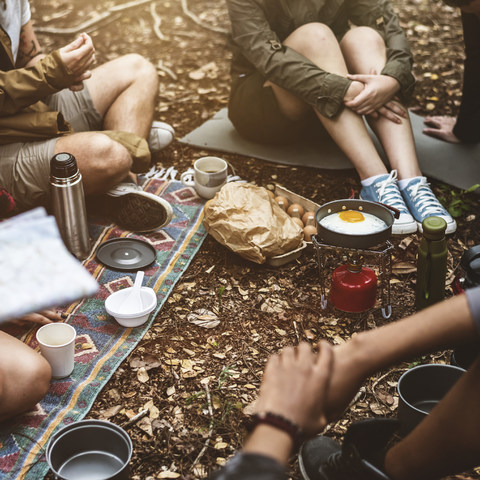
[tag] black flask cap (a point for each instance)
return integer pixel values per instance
(63, 165)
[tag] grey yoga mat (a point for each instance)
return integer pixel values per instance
(457, 165)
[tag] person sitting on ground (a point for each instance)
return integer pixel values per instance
(55, 103)
(299, 64)
(466, 127)
(24, 374)
(319, 389)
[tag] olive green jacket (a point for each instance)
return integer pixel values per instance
(260, 26)
(25, 118)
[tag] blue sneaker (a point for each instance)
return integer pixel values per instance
(423, 203)
(385, 190)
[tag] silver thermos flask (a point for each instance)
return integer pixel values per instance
(68, 204)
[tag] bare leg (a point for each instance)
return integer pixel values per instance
(124, 91)
(317, 42)
(102, 161)
(365, 52)
(447, 440)
(24, 377)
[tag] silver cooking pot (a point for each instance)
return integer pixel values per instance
(365, 240)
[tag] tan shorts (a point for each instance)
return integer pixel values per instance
(25, 167)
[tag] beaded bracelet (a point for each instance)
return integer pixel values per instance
(280, 422)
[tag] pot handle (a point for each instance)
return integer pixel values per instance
(396, 211)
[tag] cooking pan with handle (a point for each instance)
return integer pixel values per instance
(364, 240)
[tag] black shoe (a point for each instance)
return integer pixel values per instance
(360, 458)
(133, 209)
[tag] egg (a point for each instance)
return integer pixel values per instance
(308, 218)
(283, 202)
(270, 194)
(308, 231)
(353, 222)
(295, 210)
(298, 221)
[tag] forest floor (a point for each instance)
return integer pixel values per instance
(197, 383)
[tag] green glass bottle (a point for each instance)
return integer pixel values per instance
(431, 263)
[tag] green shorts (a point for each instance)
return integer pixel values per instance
(25, 167)
(254, 111)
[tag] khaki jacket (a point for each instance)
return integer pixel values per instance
(25, 118)
(260, 26)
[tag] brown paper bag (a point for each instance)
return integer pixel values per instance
(244, 218)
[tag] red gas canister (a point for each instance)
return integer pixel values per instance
(354, 287)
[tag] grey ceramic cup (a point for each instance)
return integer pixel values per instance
(209, 176)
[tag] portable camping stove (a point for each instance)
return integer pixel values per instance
(379, 258)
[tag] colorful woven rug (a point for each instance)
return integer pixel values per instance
(101, 343)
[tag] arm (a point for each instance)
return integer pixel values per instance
(440, 326)
(64, 68)
(395, 79)
(379, 15)
(29, 51)
(281, 65)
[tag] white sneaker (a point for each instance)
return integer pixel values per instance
(161, 136)
(385, 190)
(136, 210)
(423, 203)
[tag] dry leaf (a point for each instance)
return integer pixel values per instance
(146, 425)
(403, 268)
(168, 474)
(110, 412)
(142, 375)
(170, 391)
(203, 318)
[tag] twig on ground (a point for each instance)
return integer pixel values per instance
(168, 71)
(210, 431)
(157, 21)
(87, 25)
(134, 419)
(296, 331)
(379, 379)
(195, 19)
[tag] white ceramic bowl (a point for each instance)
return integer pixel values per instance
(114, 302)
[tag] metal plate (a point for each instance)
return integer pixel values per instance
(126, 254)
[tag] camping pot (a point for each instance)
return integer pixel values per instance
(93, 449)
(364, 240)
(465, 354)
(420, 389)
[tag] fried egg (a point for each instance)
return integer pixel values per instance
(353, 222)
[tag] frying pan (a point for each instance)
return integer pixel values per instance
(364, 240)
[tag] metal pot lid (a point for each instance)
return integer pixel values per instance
(126, 254)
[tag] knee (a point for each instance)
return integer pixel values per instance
(363, 36)
(40, 375)
(140, 67)
(309, 36)
(110, 162)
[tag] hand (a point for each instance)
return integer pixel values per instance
(377, 92)
(353, 91)
(392, 111)
(78, 57)
(295, 385)
(41, 318)
(442, 128)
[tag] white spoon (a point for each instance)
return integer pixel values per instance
(133, 302)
